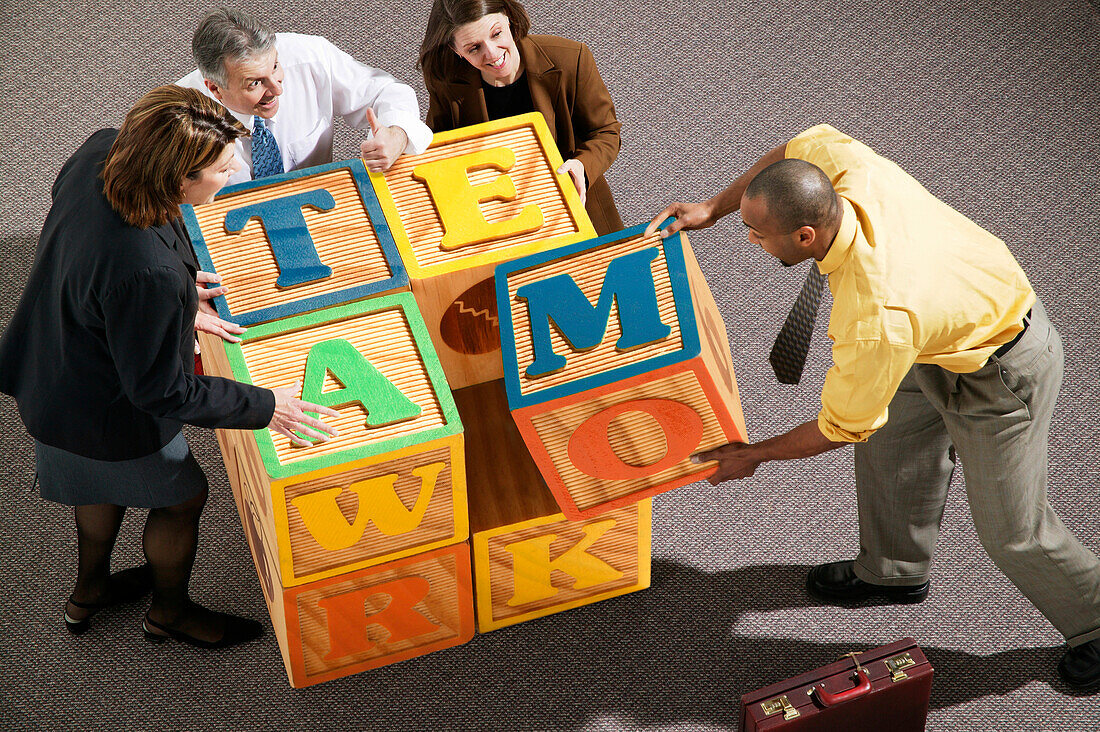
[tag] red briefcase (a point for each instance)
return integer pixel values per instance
(882, 689)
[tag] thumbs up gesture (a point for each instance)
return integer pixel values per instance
(384, 146)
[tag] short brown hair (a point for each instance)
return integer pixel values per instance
(172, 133)
(437, 58)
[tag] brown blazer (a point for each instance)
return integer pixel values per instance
(566, 87)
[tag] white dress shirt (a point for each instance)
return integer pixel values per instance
(320, 83)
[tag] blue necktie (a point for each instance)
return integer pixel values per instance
(266, 159)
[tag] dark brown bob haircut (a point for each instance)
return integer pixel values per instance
(438, 59)
(172, 133)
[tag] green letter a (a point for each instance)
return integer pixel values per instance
(361, 383)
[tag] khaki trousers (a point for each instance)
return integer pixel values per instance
(997, 419)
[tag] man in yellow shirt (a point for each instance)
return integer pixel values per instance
(939, 344)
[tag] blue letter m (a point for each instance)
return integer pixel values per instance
(629, 281)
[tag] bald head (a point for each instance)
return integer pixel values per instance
(796, 193)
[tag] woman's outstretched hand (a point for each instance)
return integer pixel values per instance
(290, 417)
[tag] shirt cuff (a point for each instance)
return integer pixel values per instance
(839, 434)
(418, 133)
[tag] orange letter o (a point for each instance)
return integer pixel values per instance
(591, 452)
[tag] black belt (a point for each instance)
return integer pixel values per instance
(1008, 346)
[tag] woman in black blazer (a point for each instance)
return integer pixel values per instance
(100, 359)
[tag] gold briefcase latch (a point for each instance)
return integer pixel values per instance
(896, 664)
(777, 705)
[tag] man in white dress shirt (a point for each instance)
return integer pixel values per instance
(290, 87)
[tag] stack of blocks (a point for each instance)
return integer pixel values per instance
(375, 293)
(612, 409)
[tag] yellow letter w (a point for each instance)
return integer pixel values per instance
(378, 501)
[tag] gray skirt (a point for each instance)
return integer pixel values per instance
(168, 477)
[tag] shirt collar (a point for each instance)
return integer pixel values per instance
(244, 119)
(249, 120)
(845, 237)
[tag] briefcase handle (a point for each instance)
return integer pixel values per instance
(829, 699)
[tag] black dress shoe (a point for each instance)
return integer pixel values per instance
(1080, 667)
(237, 630)
(837, 583)
(129, 585)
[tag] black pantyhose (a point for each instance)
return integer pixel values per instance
(96, 530)
(170, 542)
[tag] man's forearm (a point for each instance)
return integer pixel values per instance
(739, 460)
(803, 441)
(729, 200)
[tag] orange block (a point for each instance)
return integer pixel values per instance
(611, 446)
(363, 619)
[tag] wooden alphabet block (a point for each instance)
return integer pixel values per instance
(478, 196)
(392, 484)
(381, 615)
(617, 367)
(365, 618)
(529, 561)
(293, 243)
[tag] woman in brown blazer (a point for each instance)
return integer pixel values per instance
(479, 64)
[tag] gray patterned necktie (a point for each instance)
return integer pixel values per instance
(266, 158)
(788, 356)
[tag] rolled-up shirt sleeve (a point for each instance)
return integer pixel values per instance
(143, 319)
(859, 387)
(357, 87)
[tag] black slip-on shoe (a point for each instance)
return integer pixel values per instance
(129, 585)
(237, 630)
(837, 583)
(1080, 667)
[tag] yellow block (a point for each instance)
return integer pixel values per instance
(349, 515)
(479, 195)
(547, 565)
(354, 515)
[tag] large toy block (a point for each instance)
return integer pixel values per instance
(617, 368)
(392, 484)
(529, 561)
(362, 619)
(478, 196)
(296, 242)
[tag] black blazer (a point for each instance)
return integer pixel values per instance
(100, 353)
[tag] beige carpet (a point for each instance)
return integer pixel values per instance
(992, 105)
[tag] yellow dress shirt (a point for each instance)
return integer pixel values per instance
(913, 281)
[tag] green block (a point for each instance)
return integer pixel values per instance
(361, 383)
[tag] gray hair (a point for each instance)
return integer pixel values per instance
(228, 35)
